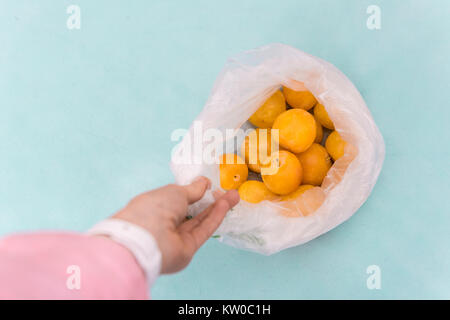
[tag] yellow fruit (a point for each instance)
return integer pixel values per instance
(288, 175)
(321, 115)
(267, 113)
(335, 145)
(233, 171)
(257, 148)
(315, 163)
(255, 191)
(297, 130)
(299, 99)
(319, 133)
(294, 195)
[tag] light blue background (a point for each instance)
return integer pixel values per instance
(86, 117)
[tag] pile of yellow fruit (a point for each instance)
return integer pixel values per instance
(302, 161)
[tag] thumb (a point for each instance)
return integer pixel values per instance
(197, 189)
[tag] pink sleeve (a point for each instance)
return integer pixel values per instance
(68, 266)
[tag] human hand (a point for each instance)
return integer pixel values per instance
(163, 211)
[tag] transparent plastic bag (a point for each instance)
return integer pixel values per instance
(246, 81)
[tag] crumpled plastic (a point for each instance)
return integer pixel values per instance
(245, 82)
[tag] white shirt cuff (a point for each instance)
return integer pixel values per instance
(139, 241)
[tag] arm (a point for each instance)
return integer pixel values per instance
(68, 266)
(114, 263)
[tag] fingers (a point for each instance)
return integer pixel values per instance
(232, 197)
(217, 194)
(197, 189)
(202, 227)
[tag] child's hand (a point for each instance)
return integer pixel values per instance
(163, 213)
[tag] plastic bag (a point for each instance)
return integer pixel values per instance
(246, 81)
